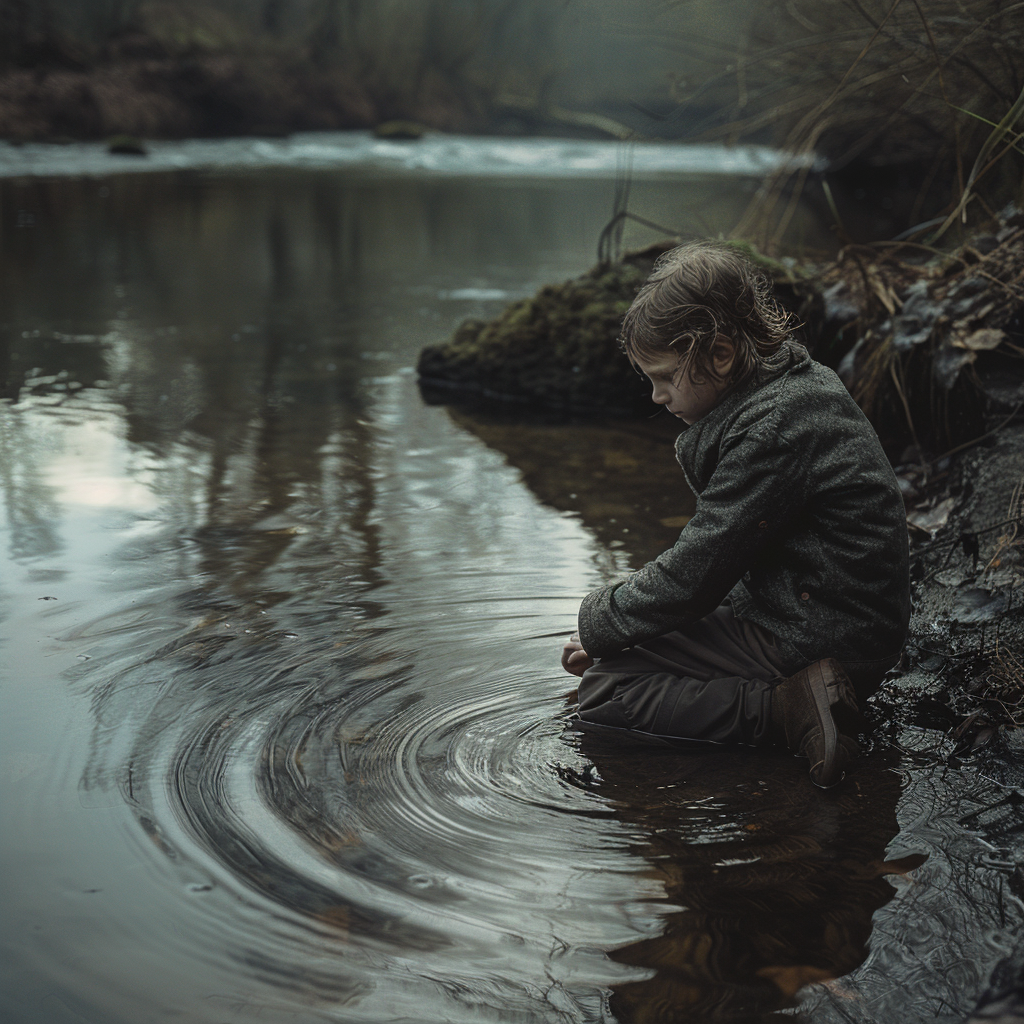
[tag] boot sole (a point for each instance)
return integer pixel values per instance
(823, 773)
(845, 711)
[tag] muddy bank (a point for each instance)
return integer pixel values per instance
(963, 668)
(956, 701)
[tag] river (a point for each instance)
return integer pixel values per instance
(283, 729)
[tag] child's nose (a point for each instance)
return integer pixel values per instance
(659, 393)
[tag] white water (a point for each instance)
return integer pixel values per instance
(448, 155)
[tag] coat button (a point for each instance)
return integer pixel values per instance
(805, 596)
(763, 525)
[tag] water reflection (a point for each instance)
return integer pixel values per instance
(770, 884)
(620, 479)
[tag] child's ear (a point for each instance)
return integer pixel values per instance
(723, 355)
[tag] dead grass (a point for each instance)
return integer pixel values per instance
(921, 344)
(879, 82)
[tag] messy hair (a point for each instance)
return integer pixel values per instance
(696, 292)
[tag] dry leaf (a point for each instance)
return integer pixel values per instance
(983, 340)
(932, 520)
(789, 980)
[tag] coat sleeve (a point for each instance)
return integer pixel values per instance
(752, 497)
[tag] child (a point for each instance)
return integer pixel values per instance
(787, 595)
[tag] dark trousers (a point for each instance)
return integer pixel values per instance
(710, 682)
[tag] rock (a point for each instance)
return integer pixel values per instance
(400, 130)
(126, 145)
(558, 350)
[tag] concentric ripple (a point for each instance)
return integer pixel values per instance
(382, 821)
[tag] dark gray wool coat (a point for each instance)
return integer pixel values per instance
(799, 521)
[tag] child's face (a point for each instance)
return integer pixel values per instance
(676, 391)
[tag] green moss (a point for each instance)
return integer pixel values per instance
(558, 349)
(775, 269)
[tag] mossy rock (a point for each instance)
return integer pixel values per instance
(557, 350)
(402, 131)
(126, 145)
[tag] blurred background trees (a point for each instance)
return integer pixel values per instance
(474, 65)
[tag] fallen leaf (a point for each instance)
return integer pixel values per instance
(932, 520)
(902, 865)
(790, 979)
(948, 362)
(983, 340)
(977, 605)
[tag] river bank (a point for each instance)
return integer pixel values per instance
(141, 91)
(174, 71)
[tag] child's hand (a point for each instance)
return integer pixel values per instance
(574, 659)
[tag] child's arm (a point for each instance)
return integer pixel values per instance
(756, 488)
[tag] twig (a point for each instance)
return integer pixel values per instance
(906, 404)
(830, 199)
(978, 440)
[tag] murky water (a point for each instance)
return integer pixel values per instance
(282, 734)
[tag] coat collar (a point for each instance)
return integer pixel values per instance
(792, 356)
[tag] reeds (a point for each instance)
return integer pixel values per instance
(937, 85)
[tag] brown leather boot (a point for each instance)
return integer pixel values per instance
(807, 711)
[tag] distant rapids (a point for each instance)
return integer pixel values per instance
(448, 155)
